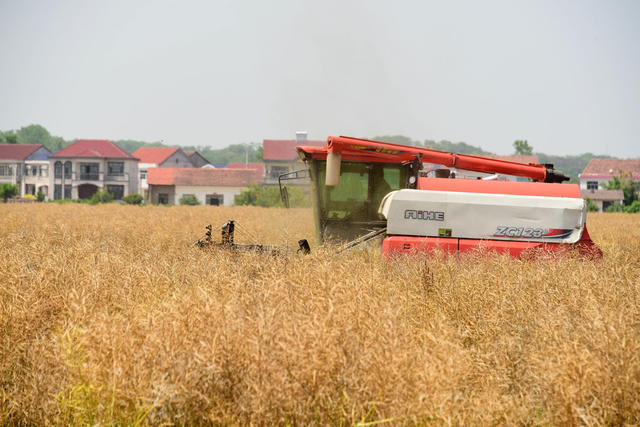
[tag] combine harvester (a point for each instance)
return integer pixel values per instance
(366, 189)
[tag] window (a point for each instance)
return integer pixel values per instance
(44, 170)
(592, 185)
(57, 192)
(276, 171)
(67, 170)
(115, 168)
(116, 190)
(57, 170)
(6, 170)
(360, 191)
(163, 198)
(67, 191)
(215, 199)
(90, 171)
(30, 189)
(143, 174)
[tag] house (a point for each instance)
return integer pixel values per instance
(158, 157)
(196, 159)
(258, 167)
(25, 165)
(89, 165)
(211, 186)
(603, 198)
(599, 172)
(280, 156)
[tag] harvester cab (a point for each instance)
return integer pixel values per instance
(363, 189)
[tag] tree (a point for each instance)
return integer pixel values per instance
(624, 181)
(522, 148)
(11, 138)
(33, 134)
(8, 191)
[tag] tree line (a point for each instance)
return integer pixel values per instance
(37, 134)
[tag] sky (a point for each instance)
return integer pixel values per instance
(564, 75)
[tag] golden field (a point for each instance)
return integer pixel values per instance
(110, 315)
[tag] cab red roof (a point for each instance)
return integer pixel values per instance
(17, 151)
(93, 148)
(285, 149)
(202, 177)
(154, 155)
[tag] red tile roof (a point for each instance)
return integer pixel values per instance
(17, 151)
(93, 148)
(257, 167)
(154, 155)
(202, 177)
(285, 149)
(608, 168)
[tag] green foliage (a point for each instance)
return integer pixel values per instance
(270, 197)
(633, 207)
(614, 207)
(591, 206)
(8, 137)
(522, 148)
(101, 196)
(624, 181)
(189, 199)
(132, 199)
(40, 196)
(8, 191)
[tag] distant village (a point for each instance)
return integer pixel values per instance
(163, 175)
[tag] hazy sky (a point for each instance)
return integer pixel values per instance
(565, 75)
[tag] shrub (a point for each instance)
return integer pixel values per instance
(633, 207)
(189, 199)
(614, 207)
(29, 197)
(132, 199)
(8, 191)
(40, 196)
(101, 196)
(591, 206)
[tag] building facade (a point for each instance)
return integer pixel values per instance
(26, 166)
(211, 186)
(158, 157)
(599, 172)
(280, 156)
(86, 166)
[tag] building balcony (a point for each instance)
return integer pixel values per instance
(100, 176)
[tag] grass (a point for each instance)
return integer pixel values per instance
(109, 315)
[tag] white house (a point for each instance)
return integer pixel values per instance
(158, 157)
(599, 172)
(211, 186)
